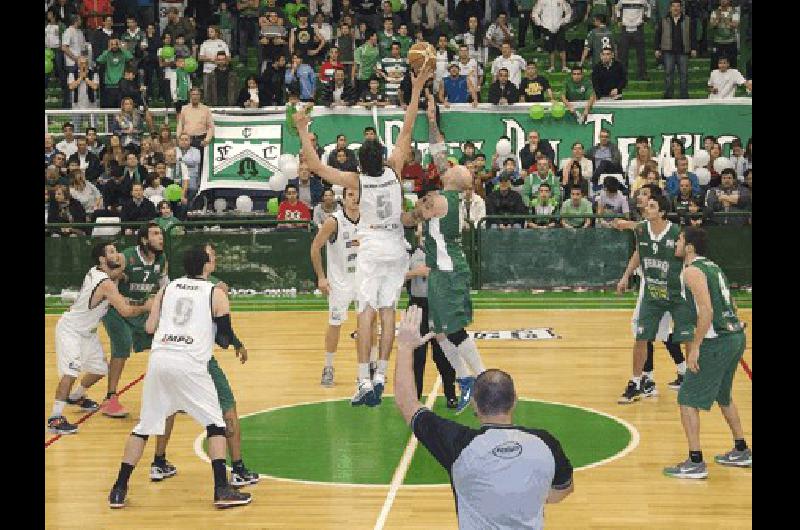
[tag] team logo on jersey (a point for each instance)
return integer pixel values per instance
(507, 450)
(177, 339)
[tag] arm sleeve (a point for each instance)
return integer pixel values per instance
(444, 439)
(562, 478)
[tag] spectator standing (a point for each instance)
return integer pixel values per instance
(94, 12)
(511, 62)
(503, 91)
(598, 38)
(322, 28)
(195, 120)
(729, 196)
(609, 77)
(505, 201)
(339, 92)
(723, 82)
(52, 40)
(225, 22)
(524, 10)
(69, 145)
(675, 39)
(386, 37)
(129, 125)
(326, 208)
(724, 25)
(87, 161)
(543, 174)
(191, 156)
(612, 200)
(428, 15)
(498, 33)
(302, 77)
(457, 88)
(114, 60)
(576, 88)
(273, 79)
(473, 38)
(444, 56)
(251, 96)
(392, 69)
(345, 43)
(469, 67)
(273, 40)
(544, 204)
(248, 24)
(632, 14)
(209, 51)
(73, 43)
(101, 36)
(329, 66)
(470, 8)
(552, 16)
(534, 87)
(62, 10)
(221, 85)
(304, 40)
(576, 204)
(472, 208)
(292, 209)
(132, 39)
(365, 60)
(129, 87)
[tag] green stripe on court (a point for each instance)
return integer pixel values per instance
(334, 442)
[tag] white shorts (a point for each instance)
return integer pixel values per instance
(380, 282)
(664, 326)
(76, 353)
(338, 304)
(174, 383)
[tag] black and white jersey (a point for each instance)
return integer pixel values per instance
(501, 475)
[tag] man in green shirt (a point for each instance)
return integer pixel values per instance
(542, 174)
(404, 40)
(576, 204)
(386, 38)
(114, 59)
(597, 39)
(577, 88)
(365, 59)
(724, 24)
(543, 204)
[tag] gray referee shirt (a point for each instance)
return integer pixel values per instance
(419, 284)
(501, 475)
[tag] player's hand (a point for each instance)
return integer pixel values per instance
(418, 81)
(224, 287)
(693, 357)
(148, 304)
(324, 286)
(622, 284)
(408, 329)
(301, 120)
(241, 353)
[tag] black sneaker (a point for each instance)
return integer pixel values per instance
(676, 385)
(228, 497)
(159, 472)
(86, 404)
(243, 477)
(452, 403)
(116, 499)
(60, 425)
(631, 394)
(648, 387)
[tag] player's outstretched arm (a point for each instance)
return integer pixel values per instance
(623, 224)
(107, 290)
(695, 280)
(155, 313)
(323, 234)
(633, 264)
(403, 145)
(315, 165)
(408, 338)
(436, 144)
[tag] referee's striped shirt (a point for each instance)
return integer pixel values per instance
(501, 475)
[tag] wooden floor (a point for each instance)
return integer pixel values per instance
(587, 367)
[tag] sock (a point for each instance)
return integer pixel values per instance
(373, 354)
(458, 364)
(329, 358)
(78, 393)
(220, 475)
(637, 381)
(649, 375)
(468, 351)
(696, 456)
(363, 371)
(111, 394)
(383, 365)
(682, 368)
(740, 444)
(124, 474)
(160, 459)
(58, 408)
(237, 465)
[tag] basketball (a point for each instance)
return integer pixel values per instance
(421, 53)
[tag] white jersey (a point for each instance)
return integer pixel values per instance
(81, 317)
(185, 325)
(341, 251)
(380, 227)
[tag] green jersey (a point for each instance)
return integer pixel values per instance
(166, 222)
(405, 44)
(141, 279)
(443, 238)
(385, 43)
(597, 39)
(115, 65)
(661, 270)
(725, 321)
(578, 91)
(724, 33)
(366, 57)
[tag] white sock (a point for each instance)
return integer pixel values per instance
(363, 371)
(682, 368)
(468, 351)
(637, 381)
(458, 364)
(373, 354)
(329, 358)
(383, 365)
(78, 393)
(58, 408)
(649, 375)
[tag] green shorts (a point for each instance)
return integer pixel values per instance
(126, 333)
(718, 361)
(649, 313)
(449, 303)
(224, 392)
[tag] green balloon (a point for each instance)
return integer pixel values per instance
(190, 64)
(49, 53)
(558, 110)
(396, 6)
(272, 206)
(536, 112)
(48, 65)
(173, 193)
(167, 52)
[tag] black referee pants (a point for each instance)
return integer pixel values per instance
(421, 354)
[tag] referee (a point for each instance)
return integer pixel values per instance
(502, 475)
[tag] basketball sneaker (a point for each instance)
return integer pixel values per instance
(160, 471)
(60, 425)
(465, 383)
(243, 477)
(631, 394)
(228, 497)
(676, 385)
(116, 499)
(86, 404)
(735, 458)
(113, 409)
(648, 387)
(378, 384)
(364, 393)
(687, 469)
(327, 376)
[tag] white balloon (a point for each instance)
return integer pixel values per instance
(703, 175)
(290, 169)
(220, 204)
(284, 158)
(722, 163)
(701, 158)
(244, 203)
(278, 181)
(503, 147)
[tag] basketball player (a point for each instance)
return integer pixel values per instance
(78, 347)
(713, 356)
(655, 251)
(449, 280)
(145, 270)
(339, 234)
(186, 326)
(382, 258)
(240, 475)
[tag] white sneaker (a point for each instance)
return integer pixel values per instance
(550, 70)
(565, 70)
(365, 394)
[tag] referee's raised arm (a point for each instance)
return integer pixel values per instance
(408, 338)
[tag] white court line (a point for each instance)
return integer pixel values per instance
(405, 462)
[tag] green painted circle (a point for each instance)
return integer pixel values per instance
(334, 442)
